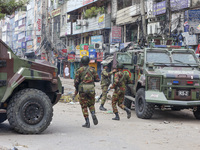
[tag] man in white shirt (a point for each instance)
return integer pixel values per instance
(66, 72)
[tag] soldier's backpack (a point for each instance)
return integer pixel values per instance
(83, 87)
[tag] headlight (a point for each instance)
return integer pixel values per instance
(153, 83)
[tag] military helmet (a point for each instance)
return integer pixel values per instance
(104, 65)
(120, 66)
(85, 60)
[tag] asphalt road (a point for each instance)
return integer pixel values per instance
(167, 130)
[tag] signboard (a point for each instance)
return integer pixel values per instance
(101, 20)
(29, 45)
(193, 20)
(92, 54)
(116, 34)
(71, 56)
(38, 26)
(96, 39)
(84, 53)
(38, 39)
(99, 56)
(87, 1)
(64, 50)
(82, 46)
(85, 47)
(160, 8)
(77, 57)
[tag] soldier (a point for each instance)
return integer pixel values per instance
(84, 84)
(120, 80)
(105, 82)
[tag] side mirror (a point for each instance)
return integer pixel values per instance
(141, 59)
(30, 55)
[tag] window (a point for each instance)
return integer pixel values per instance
(123, 4)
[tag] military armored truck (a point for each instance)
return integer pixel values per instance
(28, 91)
(163, 78)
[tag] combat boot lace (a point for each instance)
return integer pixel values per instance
(116, 117)
(128, 111)
(87, 123)
(95, 121)
(102, 108)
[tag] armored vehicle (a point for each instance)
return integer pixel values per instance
(28, 91)
(163, 78)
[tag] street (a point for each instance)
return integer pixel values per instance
(167, 130)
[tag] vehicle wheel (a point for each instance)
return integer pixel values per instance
(30, 111)
(143, 109)
(127, 102)
(3, 117)
(197, 113)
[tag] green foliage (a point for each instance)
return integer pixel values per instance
(8, 7)
(93, 12)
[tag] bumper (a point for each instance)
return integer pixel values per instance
(58, 96)
(159, 98)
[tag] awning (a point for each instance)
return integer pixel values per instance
(107, 60)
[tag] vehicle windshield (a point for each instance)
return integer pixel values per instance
(158, 57)
(184, 58)
(124, 58)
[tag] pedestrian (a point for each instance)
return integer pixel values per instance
(84, 85)
(66, 72)
(120, 80)
(105, 82)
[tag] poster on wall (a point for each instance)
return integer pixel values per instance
(99, 56)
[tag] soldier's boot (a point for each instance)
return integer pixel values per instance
(87, 123)
(116, 117)
(102, 108)
(95, 121)
(128, 111)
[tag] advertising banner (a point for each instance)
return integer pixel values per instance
(99, 56)
(71, 56)
(96, 39)
(84, 53)
(116, 34)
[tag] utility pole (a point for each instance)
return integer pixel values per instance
(142, 6)
(168, 16)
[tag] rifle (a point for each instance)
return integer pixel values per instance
(102, 95)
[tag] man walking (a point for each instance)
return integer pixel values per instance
(105, 82)
(84, 84)
(120, 80)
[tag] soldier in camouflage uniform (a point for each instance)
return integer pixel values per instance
(105, 82)
(120, 80)
(84, 78)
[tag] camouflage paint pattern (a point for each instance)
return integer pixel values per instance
(86, 100)
(19, 70)
(120, 87)
(104, 94)
(105, 76)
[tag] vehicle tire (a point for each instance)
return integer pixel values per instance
(30, 111)
(197, 113)
(3, 117)
(143, 109)
(127, 102)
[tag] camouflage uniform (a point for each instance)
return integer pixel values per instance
(105, 76)
(86, 100)
(118, 95)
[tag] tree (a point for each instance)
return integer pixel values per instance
(8, 7)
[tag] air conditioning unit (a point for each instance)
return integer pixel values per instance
(97, 45)
(78, 22)
(84, 23)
